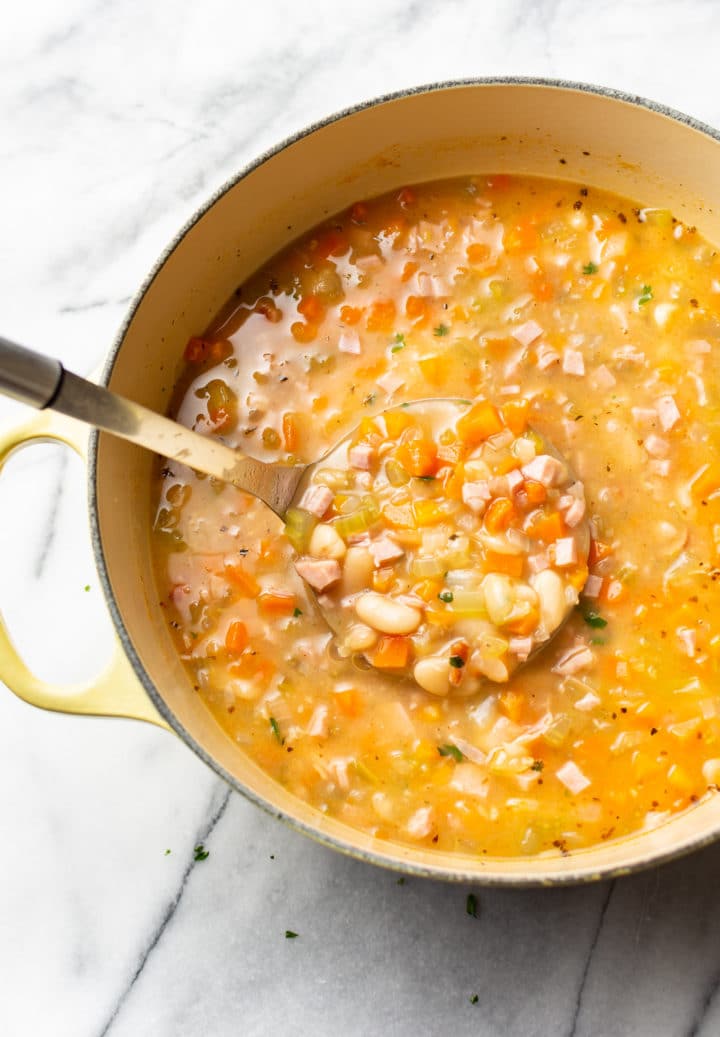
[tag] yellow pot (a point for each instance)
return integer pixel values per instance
(599, 137)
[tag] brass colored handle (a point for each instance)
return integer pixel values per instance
(116, 691)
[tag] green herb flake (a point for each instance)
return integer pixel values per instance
(398, 344)
(590, 268)
(457, 661)
(276, 730)
(451, 750)
(646, 295)
(441, 330)
(598, 641)
(296, 613)
(471, 905)
(86, 588)
(290, 935)
(474, 999)
(167, 852)
(400, 881)
(594, 620)
(537, 765)
(426, 478)
(201, 854)
(446, 596)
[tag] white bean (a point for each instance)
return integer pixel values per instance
(357, 570)
(550, 591)
(490, 666)
(326, 542)
(433, 675)
(386, 615)
(360, 637)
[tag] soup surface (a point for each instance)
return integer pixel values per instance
(573, 315)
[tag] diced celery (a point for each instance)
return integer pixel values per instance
(299, 525)
(427, 568)
(360, 520)
(457, 555)
(396, 474)
(557, 731)
(470, 603)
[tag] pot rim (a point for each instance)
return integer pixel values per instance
(580, 874)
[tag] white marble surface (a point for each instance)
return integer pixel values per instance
(116, 119)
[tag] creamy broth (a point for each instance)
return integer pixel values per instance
(594, 321)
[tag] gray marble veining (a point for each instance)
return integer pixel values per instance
(117, 119)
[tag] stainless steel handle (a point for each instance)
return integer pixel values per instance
(43, 382)
(26, 376)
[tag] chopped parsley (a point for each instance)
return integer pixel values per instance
(537, 765)
(201, 853)
(471, 905)
(594, 620)
(646, 294)
(276, 730)
(398, 344)
(598, 641)
(400, 881)
(457, 661)
(290, 935)
(474, 999)
(451, 750)
(426, 478)
(440, 330)
(86, 587)
(590, 268)
(297, 612)
(167, 852)
(446, 596)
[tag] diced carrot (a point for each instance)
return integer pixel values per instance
(276, 603)
(706, 482)
(500, 515)
(268, 309)
(524, 624)
(312, 309)
(541, 289)
(245, 582)
(220, 349)
(598, 551)
(428, 512)
(392, 653)
(350, 702)
(303, 333)
(515, 415)
(478, 252)
(499, 347)
(433, 368)
(396, 421)
(251, 664)
(508, 463)
(454, 481)
(372, 371)
(459, 313)
(367, 428)
(381, 316)
(351, 314)
(406, 197)
(359, 212)
(535, 492)
(196, 350)
(383, 579)
(512, 704)
(331, 243)
(408, 270)
(428, 590)
(417, 309)
(236, 638)
(291, 432)
(511, 565)
(398, 516)
(479, 423)
(319, 403)
(522, 237)
(544, 525)
(441, 617)
(418, 455)
(613, 592)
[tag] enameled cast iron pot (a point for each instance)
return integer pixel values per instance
(599, 137)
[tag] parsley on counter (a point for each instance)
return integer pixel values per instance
(201, 853)
(471, 905)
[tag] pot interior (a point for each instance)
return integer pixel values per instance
(551, 131)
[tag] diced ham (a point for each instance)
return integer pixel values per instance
(576, 659)
(644, 417)
(587, 702)
(603, 378)
(667, 412)
(319, 573)
(361, 456)
(521, 647)
(527, 332)
(546, 357)
(317, 499)
(565, 551)
(385, 550)
(574, 513)
(593, 586)
(514, 479)
(544, 469)
(572, 777)
(573, 362)
(536, 563)
(349, 343)
(476, 495)
(656, 446)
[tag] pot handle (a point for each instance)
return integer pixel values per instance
(116, 692)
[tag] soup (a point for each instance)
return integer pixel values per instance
(575, 315)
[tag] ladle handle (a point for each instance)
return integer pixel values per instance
(43, 382)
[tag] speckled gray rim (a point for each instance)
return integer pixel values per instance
(582, 874)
